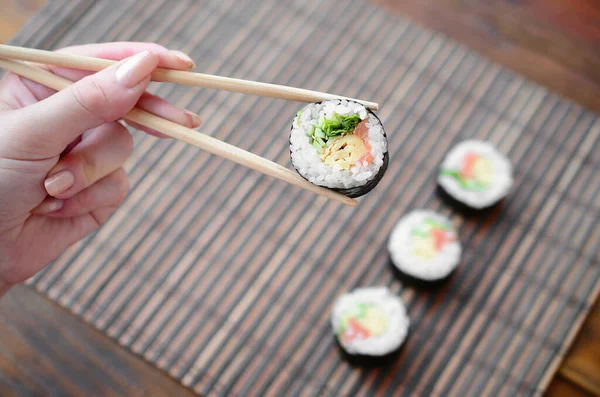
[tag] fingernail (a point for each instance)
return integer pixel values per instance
(184, 57)
(49, 205)
(196, 121)
(134, 69)
(59, 183)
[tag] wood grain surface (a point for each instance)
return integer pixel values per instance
(554, 43)
(581, 363)
(562, 387)
(46, 351)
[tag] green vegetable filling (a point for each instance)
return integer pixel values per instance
(467, 184)
(328, 128)
(340, 125)
(428, 225)
(318, 147)
(298, 117)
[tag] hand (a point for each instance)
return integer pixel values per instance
(61, 154)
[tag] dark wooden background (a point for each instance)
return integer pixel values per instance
(46, 351)
(553, 42)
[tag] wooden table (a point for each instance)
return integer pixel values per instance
(44, 350)
(554, 43)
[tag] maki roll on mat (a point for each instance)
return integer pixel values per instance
(424, 245)
(475, 174)
(341, 145)
(370, 322)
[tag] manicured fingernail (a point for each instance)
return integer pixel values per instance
(59, 183)
(49, 205)
(134, 69)
(184, 57)
(196, 121)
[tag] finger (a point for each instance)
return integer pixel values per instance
(98, 154)
(13, 95)
(50, 204)
(50, 125)
(149, 102)
(116, 51)
(110, 191)
(158, 106)
(168, 59)
(54, 235)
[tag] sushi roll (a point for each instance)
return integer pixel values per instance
(369, 322)
(475, 174)
(341, 145)
(424, 245)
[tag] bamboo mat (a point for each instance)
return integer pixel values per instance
(225, 278)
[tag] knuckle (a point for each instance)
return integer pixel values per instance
(88, 167)
(82, 167)
(84, 199)
(92, 98)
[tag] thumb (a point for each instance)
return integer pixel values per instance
(47, 127)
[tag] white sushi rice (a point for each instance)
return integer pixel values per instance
(393, 308)
(502, 179)
(307, 161)
(401, 247)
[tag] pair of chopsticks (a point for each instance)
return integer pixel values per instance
(13, 57)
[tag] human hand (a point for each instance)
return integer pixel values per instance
(61, 154)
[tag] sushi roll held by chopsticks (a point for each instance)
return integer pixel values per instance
(364, 176)
(339, 144)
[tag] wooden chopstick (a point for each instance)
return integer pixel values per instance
(176, 76)
(188, 135)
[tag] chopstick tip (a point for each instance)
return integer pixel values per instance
(351, 202)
